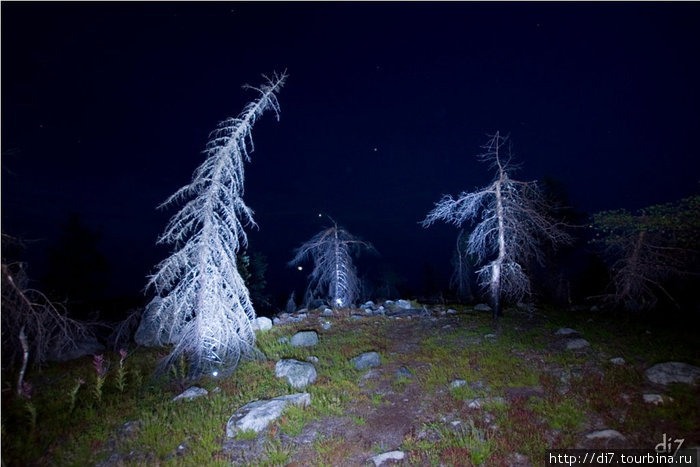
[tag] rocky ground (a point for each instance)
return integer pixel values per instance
(449, 388)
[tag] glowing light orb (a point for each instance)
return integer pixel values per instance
(299, 268)
(215, 374)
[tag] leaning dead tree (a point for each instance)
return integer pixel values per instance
(202, 304)
(513, 224)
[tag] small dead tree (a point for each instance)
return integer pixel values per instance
(647, 248)
(513, 224)
(334, 275)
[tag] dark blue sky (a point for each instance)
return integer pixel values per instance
(107, 106)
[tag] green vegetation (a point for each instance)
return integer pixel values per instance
(84, 411)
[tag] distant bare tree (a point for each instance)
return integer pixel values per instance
(514, 222)
(647, 248)
(334, 275)
(202, 303)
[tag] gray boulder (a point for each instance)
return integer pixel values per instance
(298, 374)
(482, 307)
(379, 459)
(403, 304)
(673, 372)
(577, 344)
(258, 415)
(191, 393)
(366, 360)
(304, 339)
(88, 346)
(261, 323)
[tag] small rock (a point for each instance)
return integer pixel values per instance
(513, 393)
(673, 372)
(326, 325)
(304, 339)
(451, 312)
(327, 312)
(404, 372)
(567, 332)
(366, 360)
(617, 361)
(482, 307)
(298, 374)
(605, 434)
(478, 385)
(191, 393)
(518, 460)
(379, 459)
(312, 359)
(480, 402)
(130, 428)
(262, 323)
(458, 383)
(403, 304)
(577, 344)
(490, 336)
(368, 304)
(655, 399)
(283, 340)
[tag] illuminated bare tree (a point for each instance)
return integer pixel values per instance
(202, 304)
(647, 248)
(513, 224)
(334, 275)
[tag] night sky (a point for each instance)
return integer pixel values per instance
(106, 108)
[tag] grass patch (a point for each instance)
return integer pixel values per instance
(449, 445)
